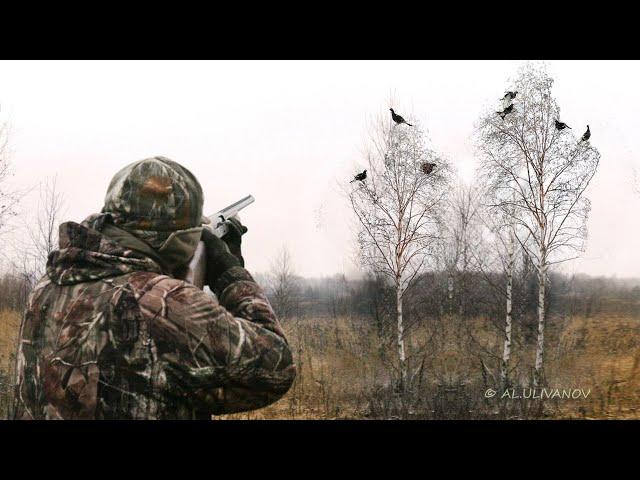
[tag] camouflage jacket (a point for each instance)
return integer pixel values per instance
(107, 336)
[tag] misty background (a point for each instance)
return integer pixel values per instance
(292, 134)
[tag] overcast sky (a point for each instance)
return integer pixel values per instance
(291, 132)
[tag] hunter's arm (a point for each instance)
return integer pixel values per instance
(229, 356)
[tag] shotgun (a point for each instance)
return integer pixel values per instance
(197, 268)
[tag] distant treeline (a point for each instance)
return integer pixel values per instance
(470, 294)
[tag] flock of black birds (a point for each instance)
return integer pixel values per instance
(510, 96)
(561, 126)
(585, 136)
(425, 167)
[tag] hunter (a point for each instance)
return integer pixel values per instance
(112, 332)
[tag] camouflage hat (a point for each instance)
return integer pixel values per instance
(155, 194)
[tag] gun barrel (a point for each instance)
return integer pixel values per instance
(231, 210)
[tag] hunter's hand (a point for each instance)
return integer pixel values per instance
(219, 258)
(233, 238)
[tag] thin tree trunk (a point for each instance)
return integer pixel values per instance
(506, 353)
(538, 374)
(401, 352)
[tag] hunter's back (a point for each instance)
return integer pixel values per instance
(87, 353)
(110, 334)
(107, 336)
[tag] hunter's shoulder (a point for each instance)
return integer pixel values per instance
(155, 291)
(143, 282)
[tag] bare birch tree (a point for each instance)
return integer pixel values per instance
(8, 198)
(40, 234)
(283, 285)
(539, 175)
(462, 240)
(44, 232)
(398, 208)
(481, 241)
(500, 256)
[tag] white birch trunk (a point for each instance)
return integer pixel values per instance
(542, 272)
(506, 352)
(400, 338)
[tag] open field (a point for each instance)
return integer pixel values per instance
(341, 374)
(9, 326)
(603, 354)
(344, 369)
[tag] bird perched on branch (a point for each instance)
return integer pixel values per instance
(586, 136)
(561, 125)
(508, 98)
(361, 177)
(506, 111)
(398, 119)
(510, 95)
(427, 167)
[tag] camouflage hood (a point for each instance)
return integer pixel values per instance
(86, 254)
(155, 194)
(151, 221)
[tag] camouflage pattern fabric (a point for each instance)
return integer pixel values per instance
(155, 195)
(107, 336)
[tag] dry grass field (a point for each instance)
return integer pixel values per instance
(342, 373)
(9, 326)
(603, 354)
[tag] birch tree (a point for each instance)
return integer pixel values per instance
(399, 208)
(508, 262)
(40, 235)
(8, 198)
(43, 232)
(497, 264)
(283, 284)
(539, 176)
(462, 240)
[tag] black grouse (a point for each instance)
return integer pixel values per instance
(398, 119)
(509, 96)
(427, 167)
(586, 136)
(561, 125)
(361, 177)
(506, 111)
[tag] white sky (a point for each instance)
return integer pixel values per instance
(290, 132)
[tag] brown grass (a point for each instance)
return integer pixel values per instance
(9, 327)
(336, 372)
(341, 366)
(603, 354)
(337, 379)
